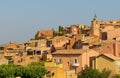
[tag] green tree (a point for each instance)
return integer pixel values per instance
(116, 76)
(7, 71)
(19, 71)
(94, 73)
(54, 32)
(35, 70)
(105, 73)
(64, 33)
(89, 73)
(37, 36)
(60, 28)
(61, 32)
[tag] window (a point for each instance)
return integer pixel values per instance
(76, 61)
(10, 49)
(1, 48)
(68, 63)
(38, 52)
(104, 36)
(59, 61)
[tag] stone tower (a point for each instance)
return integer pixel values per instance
(95, 26)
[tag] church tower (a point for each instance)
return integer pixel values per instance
(95, 26)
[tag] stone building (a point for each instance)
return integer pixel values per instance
(45, 34)
(108, 62)
(110, 47)
(74, 59)
(105, 30)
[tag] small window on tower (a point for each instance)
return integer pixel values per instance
(76, 61)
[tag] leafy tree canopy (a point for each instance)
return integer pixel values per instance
(34, 70)
(60, 28)
(116, 76)
(37, 36)
(94, 73)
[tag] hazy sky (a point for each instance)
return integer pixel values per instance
(21, 19)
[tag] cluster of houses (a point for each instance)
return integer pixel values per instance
(65, 56)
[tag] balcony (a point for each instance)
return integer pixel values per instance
(75, 64)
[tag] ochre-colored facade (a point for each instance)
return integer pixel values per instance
(73, 59)
(108, 62)
(57, 71)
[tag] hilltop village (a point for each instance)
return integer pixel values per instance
(67, 51)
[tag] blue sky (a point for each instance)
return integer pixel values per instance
(21, 19)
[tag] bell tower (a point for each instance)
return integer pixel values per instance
(95, 26)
